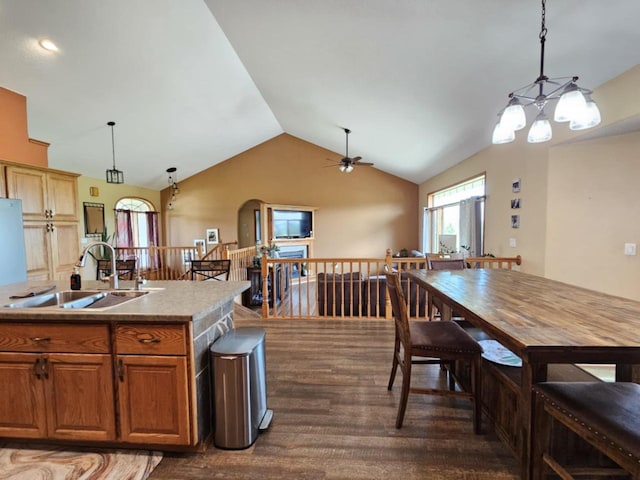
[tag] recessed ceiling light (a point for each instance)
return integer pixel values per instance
(48, 45)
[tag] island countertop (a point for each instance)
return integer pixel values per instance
(167, 301)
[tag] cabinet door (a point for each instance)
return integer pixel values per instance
(30, 186)
(79, 397)
(3, 183)
(65, 249)
(62, 196)
(22, 403)
(153, 400)
(52, 249)
(37, 246)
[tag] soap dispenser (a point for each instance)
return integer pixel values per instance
(75, 279)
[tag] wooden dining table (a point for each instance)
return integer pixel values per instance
(543, 322)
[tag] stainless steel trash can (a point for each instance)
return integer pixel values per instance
(239, 382)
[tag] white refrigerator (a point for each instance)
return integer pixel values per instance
(13, 262)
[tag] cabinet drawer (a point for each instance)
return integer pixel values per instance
(42, 337)
(151, 339)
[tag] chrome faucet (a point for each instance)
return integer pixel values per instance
(113, 278)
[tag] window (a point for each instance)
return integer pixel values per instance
(136, 226)
(454, 219)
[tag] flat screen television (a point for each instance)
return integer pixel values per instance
(292, 224)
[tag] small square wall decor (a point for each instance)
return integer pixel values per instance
(515, 185)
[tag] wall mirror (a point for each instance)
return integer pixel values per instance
(93, 219)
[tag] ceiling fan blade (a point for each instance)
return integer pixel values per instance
(367, 164)
(356, 159)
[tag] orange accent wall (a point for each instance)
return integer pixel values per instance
(360, 214)
(15, 144)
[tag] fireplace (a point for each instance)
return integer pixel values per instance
(294, 251)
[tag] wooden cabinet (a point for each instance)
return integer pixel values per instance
(253, 296)
(153, 386)
(45, 195)
(22, 411)
(57, 382)
(49, 209)
(64, 382)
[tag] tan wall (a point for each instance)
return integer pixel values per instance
(109, 194)
(551, 175)
(594, 211)
(359, 214)
(15, 144)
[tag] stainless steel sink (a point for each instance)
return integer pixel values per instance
(78, 299)
(51, 299)
(105, 299)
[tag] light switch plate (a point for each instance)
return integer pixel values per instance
(629, 248)
(512, 242)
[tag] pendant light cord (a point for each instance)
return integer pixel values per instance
(113, 146)
(543, 39)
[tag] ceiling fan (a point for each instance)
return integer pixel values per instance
(347, 163)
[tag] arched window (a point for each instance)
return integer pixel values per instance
(136, 226)
(134, 204)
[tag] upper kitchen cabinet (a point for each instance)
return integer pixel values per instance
(50, 218)
(46, 195)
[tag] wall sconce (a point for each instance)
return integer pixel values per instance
(172, 179)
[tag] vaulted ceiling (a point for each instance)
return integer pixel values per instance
(191, 83)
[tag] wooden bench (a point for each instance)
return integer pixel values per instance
(605, 415)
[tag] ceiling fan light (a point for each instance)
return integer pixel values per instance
(346, 168)
(502, 134)
(540, 131)
(513, 117)
(590, 117)
(571, 104)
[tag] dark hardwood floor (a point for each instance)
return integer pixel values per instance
(334, 418)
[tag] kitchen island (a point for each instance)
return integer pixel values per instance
(133, 374)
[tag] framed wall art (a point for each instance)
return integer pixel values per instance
(212, 236)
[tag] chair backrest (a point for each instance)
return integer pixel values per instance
(399, 309)
(211, 269)
(125, 268)
(447, 264)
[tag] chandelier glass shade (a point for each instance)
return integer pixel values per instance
(573, 104)
(113, 174)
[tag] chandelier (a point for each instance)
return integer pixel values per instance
(574, 104)
(113, 174)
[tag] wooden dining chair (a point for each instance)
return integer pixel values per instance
(435, 303)
(427, 342)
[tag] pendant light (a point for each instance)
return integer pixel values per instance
(574, 104)
(172, 179)
(114, 175)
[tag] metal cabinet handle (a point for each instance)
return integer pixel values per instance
(148, 341)
(120, 371)
(44, 367)
(40, 339)
(36, 368)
